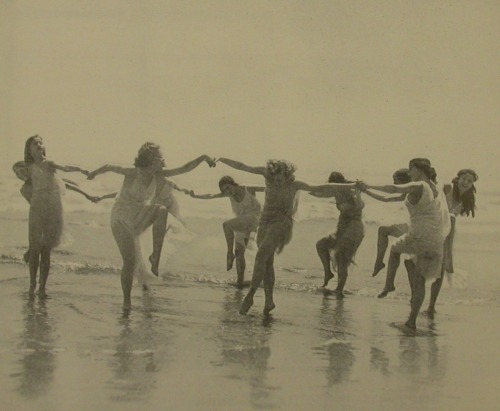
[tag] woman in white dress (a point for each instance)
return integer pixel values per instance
(134, 211)
(428, 228)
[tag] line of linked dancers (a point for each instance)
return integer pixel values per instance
(146, 198)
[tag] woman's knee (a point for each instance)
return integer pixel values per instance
(239, 250)
(161, 212)
(322, 245)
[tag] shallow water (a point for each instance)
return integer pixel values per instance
(184, 346)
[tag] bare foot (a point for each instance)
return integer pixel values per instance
(406, 328)
(328, 277)
(379, 265)
(42, 293)
(154, 264)
(410, 325)
(339, 293)
(429, 313)
(268, 307)
(384, 293)
(246, 304)
(229, 260)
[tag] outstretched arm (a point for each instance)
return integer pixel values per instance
(105, 196)
(207, 196)
(385, 199)
(242, 167)
(111, 168)
(76, 189)
(188, 166)
(68, 169)
(324, 190)
(413, 188)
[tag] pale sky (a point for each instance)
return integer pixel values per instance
(357, 86)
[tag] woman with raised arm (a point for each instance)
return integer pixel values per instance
(428, 228)
(133, 210)
(346, 240)
(276, 221)
(46, 211)
(237, 231)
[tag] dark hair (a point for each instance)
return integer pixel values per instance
(468, 198)
(146, 154)
(274, 167)
(28, 158)
(227, 180)
(337, 177)
(401, 176)
(424, 165)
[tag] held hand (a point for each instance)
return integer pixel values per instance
(85, 172)
(94, 199)
(361, 186)
(210, 161)
(90, 175)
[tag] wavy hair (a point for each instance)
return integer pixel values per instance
(28, 158)
(468, 198)
(146, 154)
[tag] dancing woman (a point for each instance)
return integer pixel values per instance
(237, 231)
(133, 210)
(276, 221)
(346, 240)
(429, 225)
(46, 210)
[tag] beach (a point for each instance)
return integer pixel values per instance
(184, 346)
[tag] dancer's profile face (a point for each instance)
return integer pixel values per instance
(157, 162)
(415, 173)
(37, 150)
(228, 189)
(465, 181)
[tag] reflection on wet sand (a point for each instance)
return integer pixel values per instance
(245, 349)
(37, 342)
(336, 330)
(421, 358)
(137, 357)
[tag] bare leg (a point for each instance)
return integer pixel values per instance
(240, 263)
(435, 289)
(44, 270)
(382, 243)
(343, 272)
(125, 243)
(269, 279)
(229, 234)
(34, 262)
(323, 248)
(418, 295)
(159, 230)
(394, 260)
(264, 253)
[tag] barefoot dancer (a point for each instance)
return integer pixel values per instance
(46, 211)
(401, 176)
(347, 238)
(429, 225)
(133, 212)
(461, 200)
(237, 230)
(276, 221)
